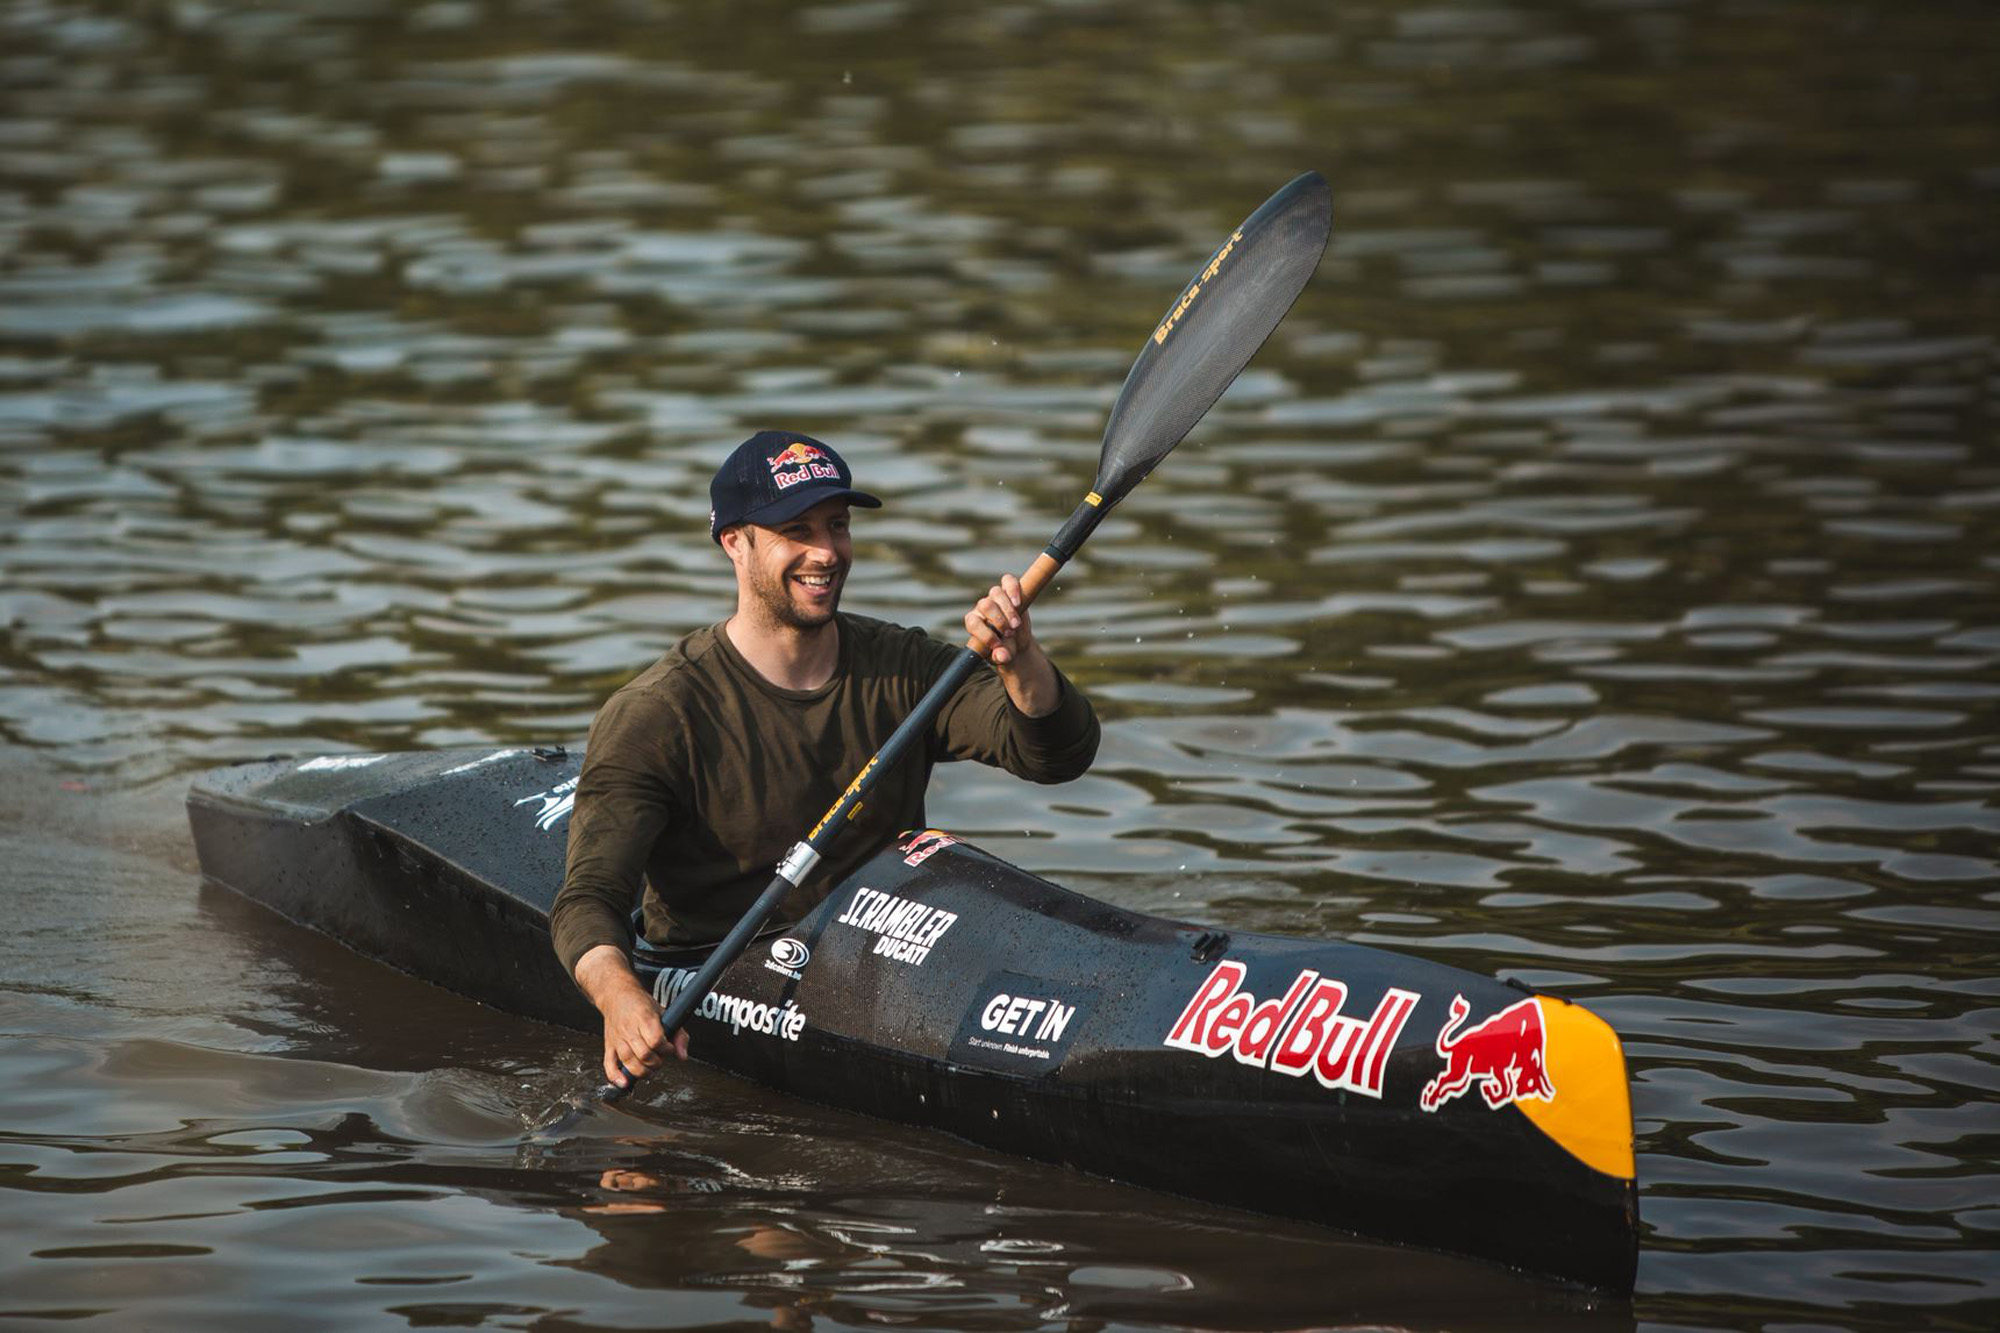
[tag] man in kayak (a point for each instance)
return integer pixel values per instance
(702, 771)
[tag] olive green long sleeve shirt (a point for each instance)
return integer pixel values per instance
(700, 774)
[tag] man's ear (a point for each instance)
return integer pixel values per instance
(737, 541)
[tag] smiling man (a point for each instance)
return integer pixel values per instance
(701, 772)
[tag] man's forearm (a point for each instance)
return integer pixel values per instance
(590, 913)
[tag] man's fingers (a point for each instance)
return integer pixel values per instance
(633, 1048)
(997, 619)
(1006, 600)
(985, 641)
(980, 631)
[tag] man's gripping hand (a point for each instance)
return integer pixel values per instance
(634, 1041)
(1000, 632)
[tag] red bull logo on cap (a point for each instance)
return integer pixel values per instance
(798, 462)
(1299, 1032)
(1506, 1055)
(793, 454)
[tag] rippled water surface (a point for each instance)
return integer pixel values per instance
(1592, 582)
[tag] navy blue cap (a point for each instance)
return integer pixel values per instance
(777, 475)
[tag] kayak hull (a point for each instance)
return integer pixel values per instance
(939, 986)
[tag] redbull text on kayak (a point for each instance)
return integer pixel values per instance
(925, 845)
(1299, 1032)
(771, 1020)
(1507, 1055)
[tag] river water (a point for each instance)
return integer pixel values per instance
(1584, 585)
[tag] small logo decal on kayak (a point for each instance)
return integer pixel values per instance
(493, 758)
(336, 763)
(907, 930)
(788, 956)
(1027, 1016)
(1301, 1031)
(785, 1021)
(925, 845)
(1021, 1023)
(557, 802)
(1506, 1055)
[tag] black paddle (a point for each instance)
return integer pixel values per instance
(1207, 337)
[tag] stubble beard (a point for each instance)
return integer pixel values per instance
(775, 597)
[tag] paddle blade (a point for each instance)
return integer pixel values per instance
(1213, 329)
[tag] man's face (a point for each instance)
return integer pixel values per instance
(794, 572)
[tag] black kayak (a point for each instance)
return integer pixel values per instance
(940, 986)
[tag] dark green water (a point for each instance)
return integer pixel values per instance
(1592, 582)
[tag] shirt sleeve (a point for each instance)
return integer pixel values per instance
(980, 722)
(624, 801)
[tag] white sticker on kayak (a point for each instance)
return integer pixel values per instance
(493, 758)
(785, 1021)
(557, 802)
(334, 763)
(1021, 1023)
(905, 931)
(1027, 1016)
(788, 957)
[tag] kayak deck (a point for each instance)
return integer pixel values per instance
(940, 986)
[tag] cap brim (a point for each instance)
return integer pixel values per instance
(797, 502)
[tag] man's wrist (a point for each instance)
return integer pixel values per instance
(604, 972)
(1033, 687)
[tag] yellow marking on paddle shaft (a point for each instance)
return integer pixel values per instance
(852, 788)
(1093, 499)
(1194, 288)
(1591, 1116)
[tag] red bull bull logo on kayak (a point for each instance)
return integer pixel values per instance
(798, 462)
(1302, 1031)
(1506, 1055)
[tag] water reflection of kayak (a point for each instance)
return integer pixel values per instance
(940, 986)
